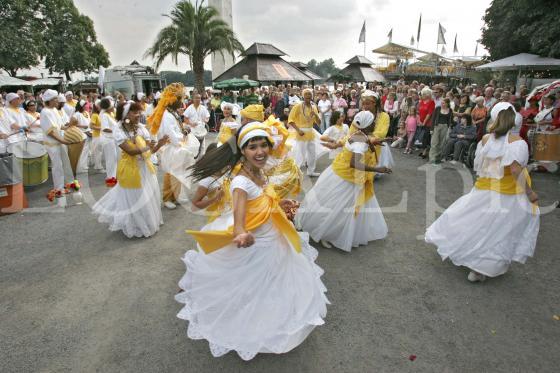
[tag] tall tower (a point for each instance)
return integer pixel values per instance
(219, 63)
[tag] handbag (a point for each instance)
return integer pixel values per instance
(419, 135)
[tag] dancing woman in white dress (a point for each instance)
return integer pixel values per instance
(498, 221)
(133, 205)
(341, 208)
(253, 286)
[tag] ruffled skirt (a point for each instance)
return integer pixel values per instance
(485, 231)
(266, 298)
(327, 213)
(136, 212)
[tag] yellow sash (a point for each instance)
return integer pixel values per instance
(341, 167)
(506, 185)
(128, 170)
(217, 208)
(259, 211)
(292, 184)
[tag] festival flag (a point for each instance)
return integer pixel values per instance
(412, 40)
(455, 49)
(390, 35)
(476, 49)
(419, 27)
(363, 34)
(441, 35)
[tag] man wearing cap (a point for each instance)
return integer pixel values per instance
(302, 118)
(52, 124)
(17, 120)
(70, 104)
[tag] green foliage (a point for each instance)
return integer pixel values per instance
(20, 45)
(188, 78)
(522, 26)
(70, 41)
(324, 68)
(195, 31)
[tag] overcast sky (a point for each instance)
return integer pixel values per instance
(307, 29)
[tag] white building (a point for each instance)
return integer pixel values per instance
(219, 63)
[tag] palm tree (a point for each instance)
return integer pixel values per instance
(195, 31)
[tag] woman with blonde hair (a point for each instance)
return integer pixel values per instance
(498, 221)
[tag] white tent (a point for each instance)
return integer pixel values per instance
(46, 82)
(522, 61)
(8, 81)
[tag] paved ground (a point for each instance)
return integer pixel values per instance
(75, 297)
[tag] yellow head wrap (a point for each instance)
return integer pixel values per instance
(280, 134)
(170, 95)
(253, 112)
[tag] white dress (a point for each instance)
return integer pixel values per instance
(486, 230)
(327, 212)
(386, 158)
(137, 212)
(336, 133)
(266, 298)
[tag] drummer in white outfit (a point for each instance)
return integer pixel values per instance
(52, 124)
(83, 119)
(196, 116)
(17, 119)
(108, 125)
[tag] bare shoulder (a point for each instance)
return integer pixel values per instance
(485, 138)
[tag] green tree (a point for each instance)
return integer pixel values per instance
(521, 26)
(20, 43)
(195, 31)
(324, 68)
(69, 38)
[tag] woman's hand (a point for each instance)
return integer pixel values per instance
(533, 197)
(164, 140)
(244, 239)
(383, 170)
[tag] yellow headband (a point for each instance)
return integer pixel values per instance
(170, 95)
(251, 130)
(253, 112)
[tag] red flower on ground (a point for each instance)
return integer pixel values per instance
(412, 357)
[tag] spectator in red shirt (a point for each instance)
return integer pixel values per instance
(426, 108)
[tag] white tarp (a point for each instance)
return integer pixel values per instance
(6, 81)
(520, 61)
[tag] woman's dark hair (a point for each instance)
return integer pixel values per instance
(120, 110)
(335, 117)
(79, 108)
(29, 103)
(468, 99)
(219, 161)
(448, 102)
(211, 147)
(468, 118)
(105, 103)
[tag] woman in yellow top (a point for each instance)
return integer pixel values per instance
(134, 204)
(96, 143)
(229, 124)
(341, 208)
(498, 221)
(253, 286)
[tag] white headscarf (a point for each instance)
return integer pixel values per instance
(48, 95)
(61, 98)
(235, 109)
(363, 119)
(10, 97)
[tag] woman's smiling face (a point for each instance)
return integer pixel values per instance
(256, 152)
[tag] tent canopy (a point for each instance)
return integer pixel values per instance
(522, 61)
(397, 50)
(359, 68)
(8, 81)
(46, 82)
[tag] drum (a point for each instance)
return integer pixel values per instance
(546, 146)
(199, 131)
(34, 161)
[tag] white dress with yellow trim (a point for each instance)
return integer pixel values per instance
(494, 224)
(134, 204)
(341, 208)
(266, 298)
(336, 133)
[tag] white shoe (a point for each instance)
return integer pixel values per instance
(170, 205)
(326, 244)
(313, 174)
(476, 277)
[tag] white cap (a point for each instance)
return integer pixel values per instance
(11, 96)
(140, 95)
(499, 107)
(368, 93)
(61, 98)
(49, 94)
(363, 119)
(68, 93)
(235, 109)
